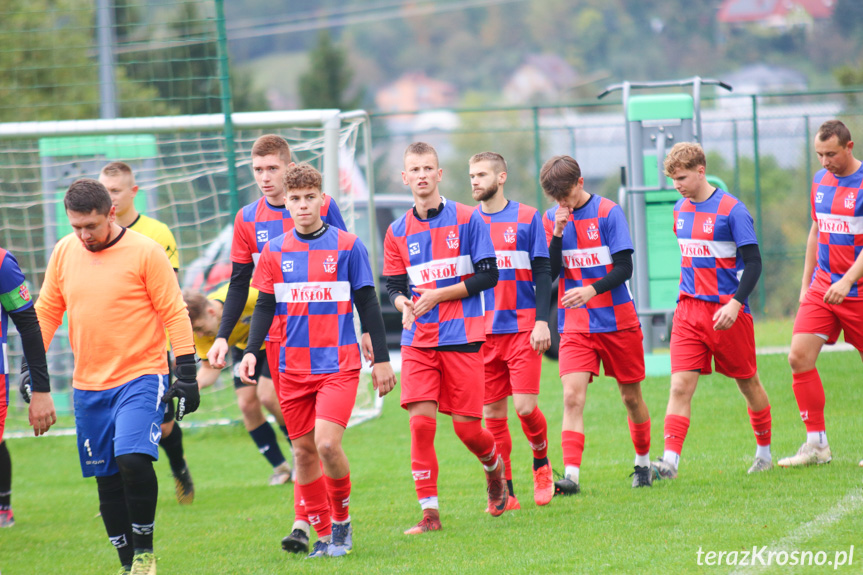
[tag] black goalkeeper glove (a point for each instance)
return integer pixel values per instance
(24, 383)
(185, 388)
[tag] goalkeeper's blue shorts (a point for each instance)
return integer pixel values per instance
(118, 421)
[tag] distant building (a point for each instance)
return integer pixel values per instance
(542, 78)
(775, 14)
(415, 91)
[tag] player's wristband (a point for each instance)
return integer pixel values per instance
(186, 367)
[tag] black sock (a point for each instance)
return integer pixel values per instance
(5, 477)
(142, 492)
(284, 429)
(510, 487)
(173, 446)
(115, 516)
(265, 438)
(537, 463)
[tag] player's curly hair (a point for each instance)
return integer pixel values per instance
(836, 128)
(496, 160)
(558, 176)
(302, 177)
(272, 144)
(421, 149)
(196, 302)
(86, 195)
(684, 156)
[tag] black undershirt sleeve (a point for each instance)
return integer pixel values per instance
(27, 324)
(485, 276)
(541, 268)
(262, 319)
(235, 300)
(555, 255)
(369, 310)
(751, 271)
(396, 286)
(622, 271)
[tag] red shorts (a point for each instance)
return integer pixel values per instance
(817, 317)
(621, 353)
(511, 366)
(452, 379)
(694, 341)
(306, 397)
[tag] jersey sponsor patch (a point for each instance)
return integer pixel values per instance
(512, 260)
(706, 248)
(587, 257)
(839, 224)
(440, 269)
(303, 292)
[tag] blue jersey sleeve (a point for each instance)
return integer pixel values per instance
(742, 226)
(14, 294)
(538, 246)
(480, 243)
(359, 268)
(617, 231)
(334, 216)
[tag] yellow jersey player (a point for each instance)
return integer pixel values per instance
(205, 311)
(119, 180)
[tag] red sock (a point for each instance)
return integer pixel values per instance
(479, 441)
(339, 492)
(536, 430)
(499, 428)
(299, 505)
(761, 421)
(640, 434)
(676, 427)
(317, 506)
(423, 457)
(810, 399)
(573, 447)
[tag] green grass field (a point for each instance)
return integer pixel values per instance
(237, 521)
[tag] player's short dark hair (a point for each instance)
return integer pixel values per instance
(86, 195)
(559, 175)
(302, 177)
(496, 160)
(421, 149)
(836, 128)
(272, 144)
(684, 156)
(196, 302)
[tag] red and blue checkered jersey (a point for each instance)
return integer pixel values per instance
(14, 296)
(436, 253)
(259, 222)
(594, 232)
(837, 207)
(313, 281)
(518, 237)
(710, 234)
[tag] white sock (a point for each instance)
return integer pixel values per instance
(345, 522)
(818, 438)
(763, 451)
(428, 502)
(672, 458)
(642, 460)
(493, 466)
(571, 473)
(302, 526)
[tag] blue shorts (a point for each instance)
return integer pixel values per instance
(118, 421)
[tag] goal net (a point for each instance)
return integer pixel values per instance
(182, 167)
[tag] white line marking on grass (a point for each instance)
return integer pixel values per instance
(851, 503)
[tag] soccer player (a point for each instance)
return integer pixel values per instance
(310, 278)
(255, 224)
(205, 311)
(118, 179)
(591, 251)
(17, 304)
(720, 267)
(120, 293)
(516, 320)
(831, 294)
(438, 259)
